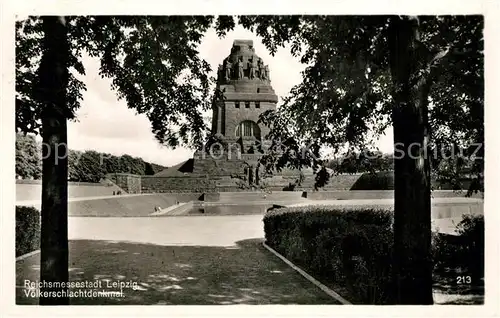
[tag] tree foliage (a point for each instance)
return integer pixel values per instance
(153, 62)
(346, 84)
(423, 75)
(28, 157)
(357, 162)
(83, 166)
(154, 65)
(366, 72)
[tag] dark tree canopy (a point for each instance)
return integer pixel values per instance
(28, 157)
(365, 73)
(83, 166)
(155, 67)
(346, 84)
(153, 62)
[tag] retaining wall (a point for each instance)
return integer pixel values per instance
(441, 208)
(120, 206)
(27, 191)
(375, 194)
(177, 184)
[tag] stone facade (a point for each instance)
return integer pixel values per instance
(244, 82)
(152, 184)
(130, 183)
(230, 158)
(245, 96)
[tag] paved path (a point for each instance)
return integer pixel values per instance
(177, 260)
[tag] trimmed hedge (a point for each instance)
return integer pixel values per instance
(383, 180)
(27, 230)
(348, 247)
(465, 251)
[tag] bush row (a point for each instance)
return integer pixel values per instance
(465, 251)
(384, 180)
(87, 166)
(350, 247)
(27, 230)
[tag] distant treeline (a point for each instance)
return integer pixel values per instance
(455, 172)
(83, 166)
(360, 162)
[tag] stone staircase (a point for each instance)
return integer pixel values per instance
(177, 209)
(113, 186)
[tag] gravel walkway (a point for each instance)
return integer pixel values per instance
(176, 261)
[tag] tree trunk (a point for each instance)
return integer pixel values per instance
(412, 262)
(53, 82)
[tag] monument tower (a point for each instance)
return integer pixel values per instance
(244, 81)
(230, 159)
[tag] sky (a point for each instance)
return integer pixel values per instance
(105, 124)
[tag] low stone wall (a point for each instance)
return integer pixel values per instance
(219, 177)
(441, 208)
(128, 206)
(375, 194)
(455, 210)
(130, 183)
(33, 191)
(70, 183)
(152, 184)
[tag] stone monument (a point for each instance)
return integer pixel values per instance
(237, 139)
(247, 93)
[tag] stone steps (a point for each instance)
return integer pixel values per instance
(177, 209)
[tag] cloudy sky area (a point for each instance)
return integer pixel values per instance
(105, 124)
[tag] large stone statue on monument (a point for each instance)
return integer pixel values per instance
(240, 68)
(260, 66)
(220, 72)
(252, 68)
(266, 73)
(228, 70)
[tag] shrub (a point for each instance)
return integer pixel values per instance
(383, 180)
(27, 230)
(351, 246)
(471, 229)
(465, 251)
(347, 246)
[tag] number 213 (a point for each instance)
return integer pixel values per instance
(464, 279)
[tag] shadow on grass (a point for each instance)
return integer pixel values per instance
(181, 275)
